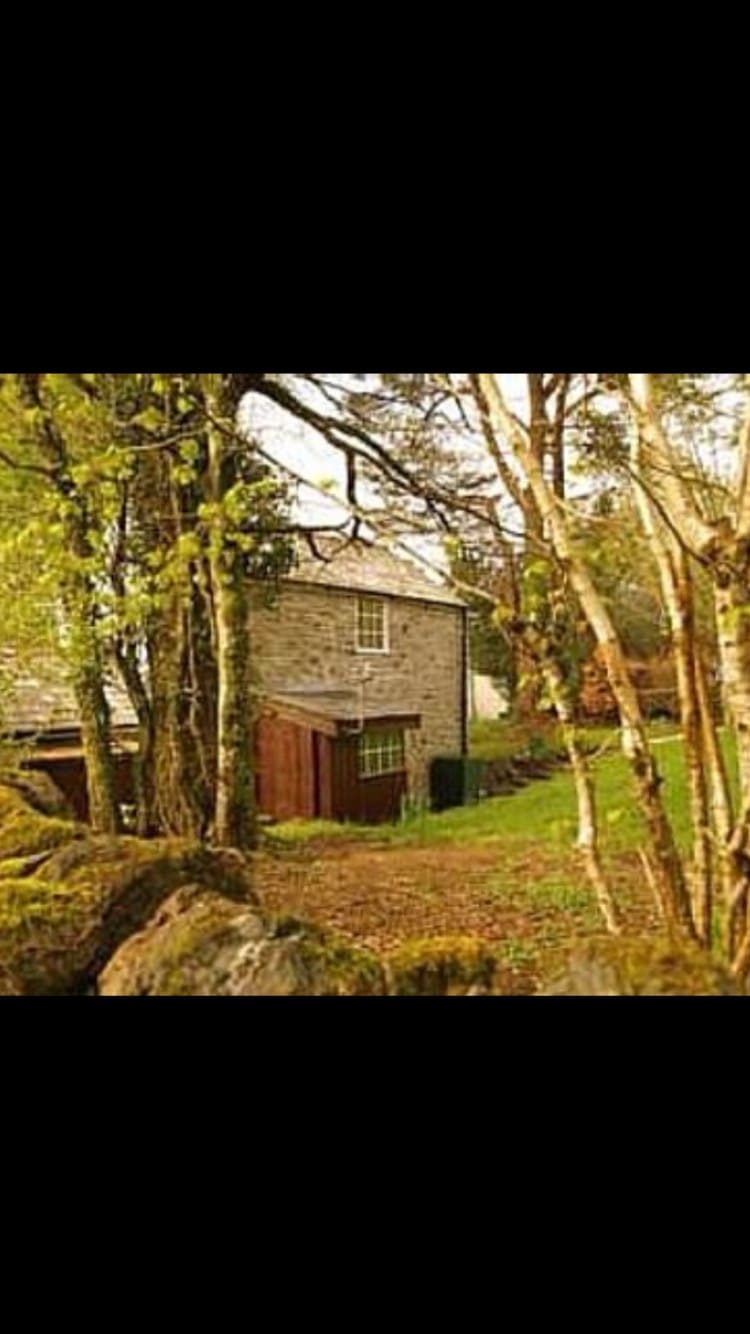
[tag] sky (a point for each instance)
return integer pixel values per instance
(300, 447)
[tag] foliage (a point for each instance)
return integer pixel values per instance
(111, 519)
(490, 646)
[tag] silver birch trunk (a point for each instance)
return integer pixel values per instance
(666, 864)
(588, 840)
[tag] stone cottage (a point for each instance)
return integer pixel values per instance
(361, 669)
(362, 666)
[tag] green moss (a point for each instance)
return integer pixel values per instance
(59, 926)
(336, 968)
(643, 966)
(195, 935)
(12, 868)
(38, 921)
(30, 900)
(38, 791)
(24, 831)
(441, 966)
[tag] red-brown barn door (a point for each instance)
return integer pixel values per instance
(286, 779)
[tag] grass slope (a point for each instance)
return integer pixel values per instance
(505, 870)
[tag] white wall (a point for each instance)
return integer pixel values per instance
(486, 700)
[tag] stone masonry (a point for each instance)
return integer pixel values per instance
(307, 639)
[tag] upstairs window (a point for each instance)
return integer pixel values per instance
(381, 753)
(372, 625)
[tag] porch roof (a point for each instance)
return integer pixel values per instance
(336, 712)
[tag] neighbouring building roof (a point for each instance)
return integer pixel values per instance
(38, 701)
(369, 568)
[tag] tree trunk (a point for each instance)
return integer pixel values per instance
(588, 840)
(178, 716)
(143, 764)
(667, 867)
(87, 678)
(93, 710)
(85, 656)
(732, 601)
(235, 818)
(677, 591)
(720, 802)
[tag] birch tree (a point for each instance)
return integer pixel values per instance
(665, 865)
(687, 530)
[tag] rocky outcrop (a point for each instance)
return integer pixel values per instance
(152, 917)
(60, 926)
(68, 899)
(641, 966)
(200, 944)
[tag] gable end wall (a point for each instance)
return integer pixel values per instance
(307, 639)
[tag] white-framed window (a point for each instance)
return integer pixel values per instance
(381, 752)
(372, 625)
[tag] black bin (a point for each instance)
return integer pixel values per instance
(455, 780)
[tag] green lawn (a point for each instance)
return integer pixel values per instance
(506, 869)
(544, 811)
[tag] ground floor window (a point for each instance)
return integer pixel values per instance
(381, 753)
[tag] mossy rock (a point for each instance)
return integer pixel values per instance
(39, 924)
(319, 962)
(59, 927)
(38, 790)
(199, 944)
(25, 831)
(185, 949)
(443, 966)
(642, 966)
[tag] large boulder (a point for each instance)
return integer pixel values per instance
(201, 944)
(641, 966)
(153, 917)
(60, 925)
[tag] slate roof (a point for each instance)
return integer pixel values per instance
(36, 701)
(369, 569)
(335, 711)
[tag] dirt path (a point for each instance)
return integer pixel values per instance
(531, 903)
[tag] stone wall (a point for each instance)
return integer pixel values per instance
(308, 639)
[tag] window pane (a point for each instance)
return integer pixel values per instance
(381, 753)
(371, 623)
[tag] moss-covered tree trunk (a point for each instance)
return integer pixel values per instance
(93, 711)
(235, 817)
(177, 715)
(235, 786)
(84, 649)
